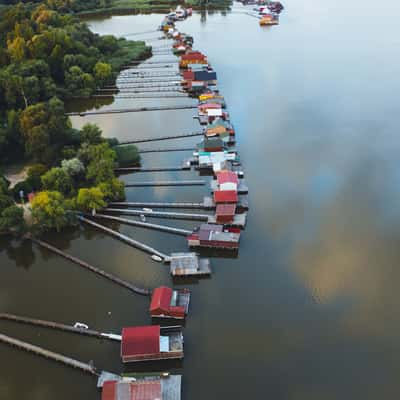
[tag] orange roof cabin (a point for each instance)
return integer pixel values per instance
(194, 57)
(156, 386)
(152, 342)
(168, 303)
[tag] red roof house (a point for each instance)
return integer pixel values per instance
(225, 213)
(168, 303)
(147, 343)
(225, 196)
(226, 176)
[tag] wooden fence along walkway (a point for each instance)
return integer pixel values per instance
(150, 204)
(48, 354)
(166, 183)
(160, 214)
(59, 326)
(128, 110)
(98, 271)
(126, 239)
(156, 139)
(143, 151)
(161, 228)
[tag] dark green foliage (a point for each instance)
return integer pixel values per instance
(127, 155)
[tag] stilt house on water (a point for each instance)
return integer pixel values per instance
(140, 387)
(215, 236)
(168, 303)
(144, 343)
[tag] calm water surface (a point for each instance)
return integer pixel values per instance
(309, 309)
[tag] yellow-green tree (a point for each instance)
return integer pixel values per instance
(90, 199)
(49, 211)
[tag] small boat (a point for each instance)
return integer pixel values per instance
(80, 325)
(156, 258)
(147, 209)
(142, 218)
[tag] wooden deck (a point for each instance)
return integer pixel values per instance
(160, 214)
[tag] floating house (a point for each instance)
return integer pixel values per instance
(168, 303)
(269, 19)
(225, 197)
(144, 343)
(156, 386)
(216, 161)
(194, 57)
(203, 108)
(211, 145)
(227, 180)
(225, 213)
(189, 264)
(214, 236)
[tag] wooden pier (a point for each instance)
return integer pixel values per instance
(207, 204)
(160, 214)
(159, 138)
(160, 169)
(149, 204)
(59, 326)
(144, 151)
(98, 271)
(49, 354)
(127, 239)
(150, 96)
(129, 110)
(161, 228)
(166, 183)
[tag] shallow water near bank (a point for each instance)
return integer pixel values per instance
(309, 308)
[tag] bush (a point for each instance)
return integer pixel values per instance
(127, 155)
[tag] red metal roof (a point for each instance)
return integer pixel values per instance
(227, 176)
(193, 56)
(109, 390)
(225, 196)
(161, 299)
(226, 209)
(140, 340)
(188, 75)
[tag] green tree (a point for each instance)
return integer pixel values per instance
(73, 167)
(90, 199)
(91, 133)
(127, 155)
(12, 220)
(102, 72)
(34, 175)
(58, 180)
(114, 190)
(17, 49)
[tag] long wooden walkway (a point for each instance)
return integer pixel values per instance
(48, 354)
(160, 214)
(129, 110)
(159, 138)
(98, 271)
(161, 228)
(166, 183)
(160, 169)
(149, 204)
(59, 326)
(127, 239)
(130, 96)
(144, 151)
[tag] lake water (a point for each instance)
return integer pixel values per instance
(309, 308)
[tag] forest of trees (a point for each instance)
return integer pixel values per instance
(45, 58)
